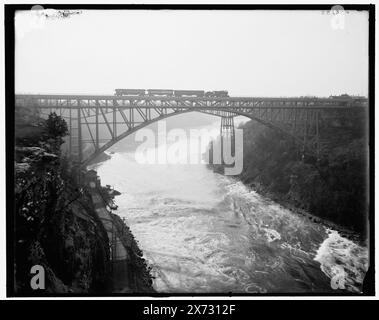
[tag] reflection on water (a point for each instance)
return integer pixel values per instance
(203, 232)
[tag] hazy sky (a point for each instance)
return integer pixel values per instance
(248, 53)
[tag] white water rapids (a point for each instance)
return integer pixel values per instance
(206, 233)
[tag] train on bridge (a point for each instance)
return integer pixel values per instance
(171, 93)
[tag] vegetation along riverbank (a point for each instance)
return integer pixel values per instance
(332, 189)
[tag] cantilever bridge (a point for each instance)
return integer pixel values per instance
(87, 115)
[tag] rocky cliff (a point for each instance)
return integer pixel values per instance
(56, 225)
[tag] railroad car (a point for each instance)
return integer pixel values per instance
(130, 92)
(359, 100)
(189, 93)
(341, 97)
(160, 92)
(351, 100)
(220, 94)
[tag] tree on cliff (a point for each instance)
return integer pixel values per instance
(56, 126)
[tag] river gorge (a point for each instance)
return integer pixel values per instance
(202, 232)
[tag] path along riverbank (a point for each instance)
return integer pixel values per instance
(129, 272)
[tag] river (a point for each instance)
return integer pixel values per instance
(202, 232)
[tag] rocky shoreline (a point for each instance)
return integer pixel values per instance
(331, 188)
(133, 274)
(286, 204)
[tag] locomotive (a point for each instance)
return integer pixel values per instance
(170, 93)
(351, 100)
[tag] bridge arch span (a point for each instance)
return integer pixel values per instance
(218, 112)
(128, 133)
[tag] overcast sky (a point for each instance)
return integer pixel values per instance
(248, 53)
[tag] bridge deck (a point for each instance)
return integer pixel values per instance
(151, 97)
(146, 101)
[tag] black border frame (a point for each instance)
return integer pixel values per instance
(9, 12)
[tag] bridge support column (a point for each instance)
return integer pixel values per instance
(227, 136)
(97, 128)
(80, 151)
(317, 138)
(70, 131)
(311, 134)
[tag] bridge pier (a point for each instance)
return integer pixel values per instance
(311, 134)
(227, 136)
(80, 145)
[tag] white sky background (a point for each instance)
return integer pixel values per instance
(248, 53)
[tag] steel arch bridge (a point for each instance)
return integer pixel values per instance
(87, 115)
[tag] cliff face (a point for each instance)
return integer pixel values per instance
(56, 225)
(54, 219)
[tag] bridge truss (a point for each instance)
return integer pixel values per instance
(97, 122)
